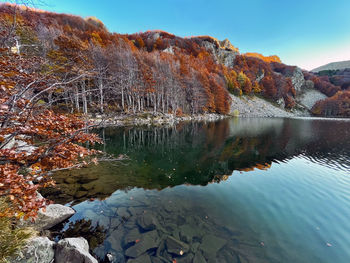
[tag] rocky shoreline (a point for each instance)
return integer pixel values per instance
(150, 118)
(42, 249)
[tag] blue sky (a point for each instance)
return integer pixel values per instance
(307, 33)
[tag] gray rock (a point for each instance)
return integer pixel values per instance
(135, 210)
(175, 246)
(115, 257)
(211, 245)
(187, 233)
(115, 222)
(198, 258)
(123, 212)
(115, 239)
(87, 178)
(309, 98)
(147, 221)
(147, 241)
(132, 236)
(195, 247)
(74, 250)
(130, 223)
(141, 259)
(80, 194)
(38, 249)
(158, 260)
(281, 103)
(51, 216)
(185, 259)
(176, 233)
(298, 80)
(104, 221)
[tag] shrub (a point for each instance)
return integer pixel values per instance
(12, 237)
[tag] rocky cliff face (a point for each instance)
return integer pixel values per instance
(224, 52)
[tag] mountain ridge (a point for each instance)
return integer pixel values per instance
(333, 66)
(153, 70)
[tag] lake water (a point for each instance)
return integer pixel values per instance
(236, 190)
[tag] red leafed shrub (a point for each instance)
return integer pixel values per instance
(337, 105)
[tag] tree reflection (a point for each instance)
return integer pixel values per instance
(199, 153)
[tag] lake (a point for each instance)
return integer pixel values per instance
(236, 190)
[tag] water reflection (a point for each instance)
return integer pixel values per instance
(202, 153)
(240, 190)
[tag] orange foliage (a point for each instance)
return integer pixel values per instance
(268, 59)
(337, 105)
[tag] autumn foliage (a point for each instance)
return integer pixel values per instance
(267, 59)
(335, 106)
(34, 140)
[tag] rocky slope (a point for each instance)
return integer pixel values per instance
(246, 106)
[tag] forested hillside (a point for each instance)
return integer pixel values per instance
(153, 71)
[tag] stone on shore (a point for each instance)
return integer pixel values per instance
(38, 249)
(74, 250)
(51, 216)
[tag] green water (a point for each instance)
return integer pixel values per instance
(237, 190)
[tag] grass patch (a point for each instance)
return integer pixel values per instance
(12, 237)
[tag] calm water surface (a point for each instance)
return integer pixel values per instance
(238, 190)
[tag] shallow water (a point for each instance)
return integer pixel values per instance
(238, 190)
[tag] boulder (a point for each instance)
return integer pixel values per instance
(74, 250)
(51, 216)
(38, 249)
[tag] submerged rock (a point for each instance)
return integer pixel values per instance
(185, 259)
(115, 257)
(132, 236)
(115, 239)
(147, 221)
(80, 194)
(51, 216)
(38, 249)
(198, 258)
(123, 212)
(211, 245)
(187, 232)
(73, 250)
(147, 241)
(175, 246)
(141, 259)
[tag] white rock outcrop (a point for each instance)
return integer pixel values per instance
(51, 216)
(38, 249)
(73, 250)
